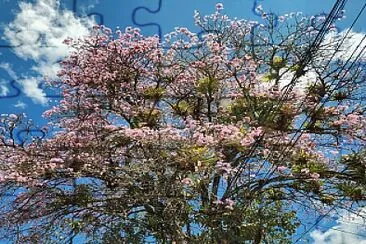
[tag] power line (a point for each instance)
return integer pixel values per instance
(331, 209)
(331, 91)
(324, 216)
(344, 231)
(333, 55)
(316, 222)
(339, 5)
(315, 111)
(340, 230)
(356, 59)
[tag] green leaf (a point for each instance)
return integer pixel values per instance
(207, 85)
(278, 62)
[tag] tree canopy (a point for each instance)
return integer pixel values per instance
(220, 136)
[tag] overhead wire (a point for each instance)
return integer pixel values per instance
(322, 217)
(322, 103)
(338, 46)
(338, 6)
(315, 224)
(344, 231)
(355, 60)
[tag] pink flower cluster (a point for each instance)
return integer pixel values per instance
(227, 203)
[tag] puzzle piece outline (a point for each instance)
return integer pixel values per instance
(139, 8)
(18, 90)
(29, 133)
(135, 21)
(75, 10)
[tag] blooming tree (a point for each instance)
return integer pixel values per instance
(217, 137)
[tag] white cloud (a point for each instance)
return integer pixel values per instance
(4, 90)
(301, 82)
(350, 229)
(20, 104)
(46, 69)
(7, 67)
(353, 41)
(31, 89)
(29, 84)
(38, 31)
(84, 7)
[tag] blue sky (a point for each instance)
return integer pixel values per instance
(32, 32)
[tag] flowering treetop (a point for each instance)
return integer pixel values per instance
(226, 129)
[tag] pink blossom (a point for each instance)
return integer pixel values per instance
(246, 119)
(315, 176)
(67, 41)
(218, 202)
(245, 142)
(219, 6)
(338, 122)
(111, 127)
(353, 119)
(281, 168)
(13, 116)
(52, 165)
(223, 168)
(187, 181)
(56, 160)
(229, 204)
(112, 120)
(281, 18)
(256, 132)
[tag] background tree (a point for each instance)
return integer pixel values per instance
(214, 138)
